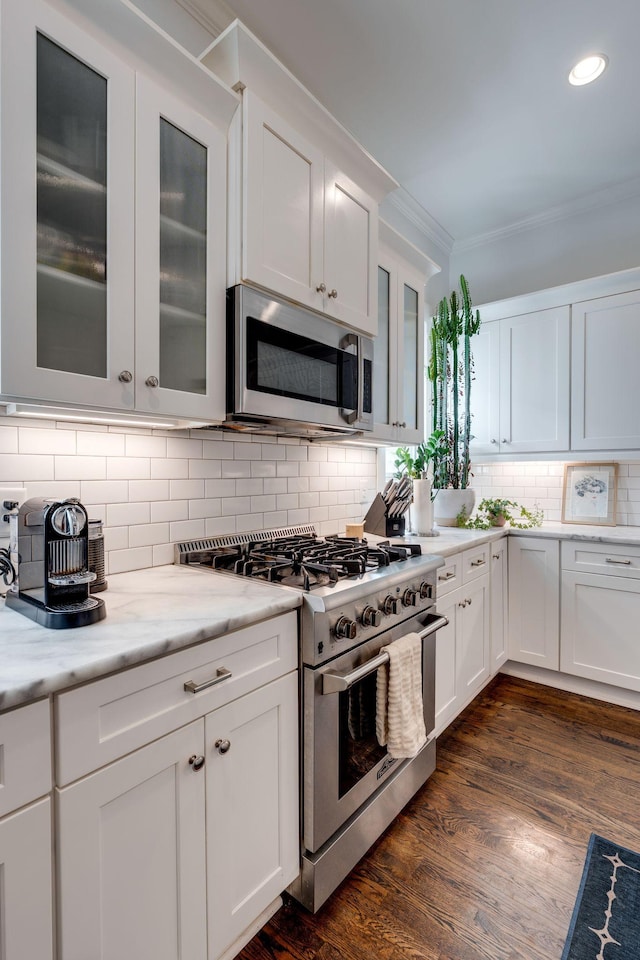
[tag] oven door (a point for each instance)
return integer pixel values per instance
(292, 364)
(344, 764)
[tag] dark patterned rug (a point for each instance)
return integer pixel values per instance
(606, 918)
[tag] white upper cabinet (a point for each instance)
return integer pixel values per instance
(520, 399)
(113, 213)
(67, 113)
(398, 350)
(180, 258)
(605, 392)
(303, 194)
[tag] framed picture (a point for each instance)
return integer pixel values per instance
(589, 493)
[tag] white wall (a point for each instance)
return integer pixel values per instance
(153, 488)
(597, 241)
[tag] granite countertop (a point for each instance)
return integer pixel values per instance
(149, 613)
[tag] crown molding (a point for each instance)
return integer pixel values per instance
(415, 214)
(602, 198)
(215, 18)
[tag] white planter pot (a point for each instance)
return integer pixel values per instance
(422, 509)
(448, 504)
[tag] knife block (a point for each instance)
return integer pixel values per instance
(376, 521)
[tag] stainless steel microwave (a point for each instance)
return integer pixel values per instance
(290, 370)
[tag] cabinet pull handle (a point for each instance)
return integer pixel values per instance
(463, 603)
(469, 602)
(626, 563)
(496, 556)
(221, 674)
(222, 746)
(478, 563)
(321, 288)
(125, 376)
(448, 576)
(197, 762)
(152, 382)
(333, 294)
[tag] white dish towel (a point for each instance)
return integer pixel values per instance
(399, 708)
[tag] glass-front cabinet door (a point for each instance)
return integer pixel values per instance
(180, 257)
(399, 351)
(67, 193)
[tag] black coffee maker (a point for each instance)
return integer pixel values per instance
(51, 540)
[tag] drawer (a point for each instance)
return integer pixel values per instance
(610, 559)
(475, 562)
(449, 576)
(104, 720)
(25, 755)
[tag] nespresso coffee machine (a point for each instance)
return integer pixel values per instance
(50, 544)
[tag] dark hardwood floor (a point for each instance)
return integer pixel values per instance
(484, 863)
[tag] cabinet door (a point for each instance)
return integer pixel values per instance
(131, 852)
(447, 694)
(385, 354)
(350, 252)
(485, 390)
(252, 806)
(473, 639)
(600, 617)
(67, 212)
(25, 884)
(534, 601)
(410, 360)
(605, 389)
(534, 382)
(282, 229)
(499, 596)
(180, 258)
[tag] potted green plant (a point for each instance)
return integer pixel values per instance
(416, 467)
(495, 512)
(450, 373)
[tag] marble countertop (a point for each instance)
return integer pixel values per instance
(155, 611)
(149, 613)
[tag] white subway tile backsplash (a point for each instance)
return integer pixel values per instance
(90, 444)
(152, 488)
(168, 469)
(46, 441)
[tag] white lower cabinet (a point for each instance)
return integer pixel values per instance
(174, 849)
(499, 604)
(26, 929)
(462, 647)
(534, 601)
(252, 807)
(131, 855)
(601, 612)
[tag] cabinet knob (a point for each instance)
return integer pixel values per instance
(403, 425)
(463, 603)
(222, 746)
(321, 288)
(125, 376)
(505, 440)
(494, 441)
(496, 556)
(197, 762)
(152, 382)
(333, 293)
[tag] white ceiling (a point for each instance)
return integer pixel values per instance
(466, 102)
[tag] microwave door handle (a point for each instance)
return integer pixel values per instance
(352, 415)
(340, 682)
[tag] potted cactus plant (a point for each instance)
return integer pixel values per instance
(450, 373)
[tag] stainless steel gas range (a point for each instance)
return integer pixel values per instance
(357, 597)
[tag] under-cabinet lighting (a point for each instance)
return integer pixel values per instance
(88, 416)
(588, 69)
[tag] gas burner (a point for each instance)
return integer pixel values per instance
(296, 557)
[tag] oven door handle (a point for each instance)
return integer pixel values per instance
(339, 682)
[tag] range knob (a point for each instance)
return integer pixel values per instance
(371, 617)
(345, 629)
(425, 590)
(409, 598)
(390, 605)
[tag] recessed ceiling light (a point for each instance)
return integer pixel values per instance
(588, 69)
